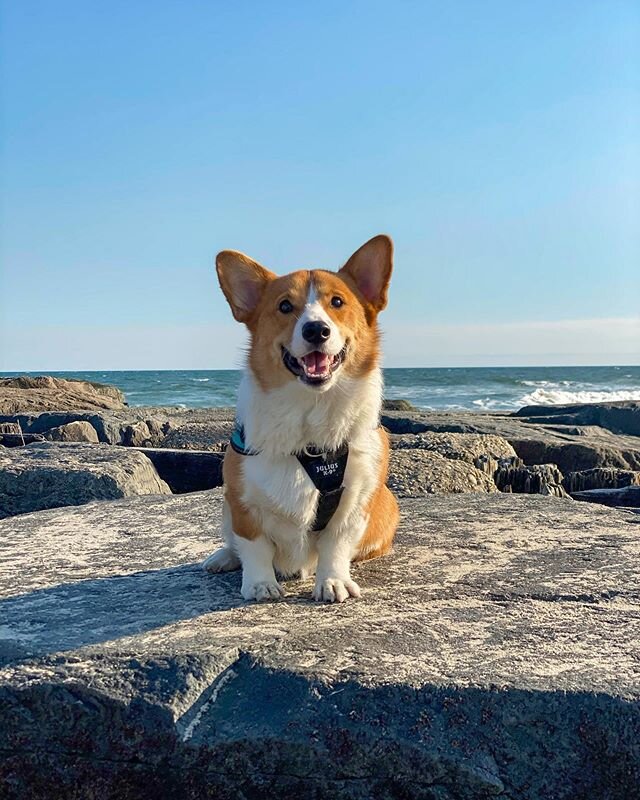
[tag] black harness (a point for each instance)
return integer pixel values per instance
(326, 469)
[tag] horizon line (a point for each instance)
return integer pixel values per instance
(44, 372)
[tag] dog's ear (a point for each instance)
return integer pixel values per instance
(242, 280)
(370, 268)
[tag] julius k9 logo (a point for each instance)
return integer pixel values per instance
(327, 469)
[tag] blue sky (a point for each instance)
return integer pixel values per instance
(497, 142)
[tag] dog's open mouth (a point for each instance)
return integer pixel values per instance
(314, 368)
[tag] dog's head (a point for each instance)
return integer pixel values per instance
(312, 325)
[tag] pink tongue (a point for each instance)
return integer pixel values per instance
(316, 363)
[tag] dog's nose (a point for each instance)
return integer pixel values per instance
(315, 332)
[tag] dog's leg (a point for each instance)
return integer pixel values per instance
(333, 573)
(258, 576)
(223, 560)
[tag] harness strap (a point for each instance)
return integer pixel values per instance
(237, 442)
(326, 469)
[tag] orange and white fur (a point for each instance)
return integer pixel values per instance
(312, 378)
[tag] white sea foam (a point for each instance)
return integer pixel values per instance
(558, 397)
(201, 380)
(489, 404)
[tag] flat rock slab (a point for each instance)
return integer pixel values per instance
(45, 393)
(494, 654)
(47, 475)
(618, 417)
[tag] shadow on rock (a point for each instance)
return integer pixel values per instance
(72, 615)
(263, 732)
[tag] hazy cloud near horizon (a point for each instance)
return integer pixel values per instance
(210, 346)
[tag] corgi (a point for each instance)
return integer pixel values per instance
(305, 473)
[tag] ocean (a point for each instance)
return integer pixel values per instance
(473, 388)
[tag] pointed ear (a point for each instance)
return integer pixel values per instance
(242, 280)
(370, 267)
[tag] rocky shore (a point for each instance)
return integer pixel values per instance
(494, 654)
(559, 451)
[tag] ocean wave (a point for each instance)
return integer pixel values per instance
(489, 404)
(559, 397)
(544, 384)
(201, 380)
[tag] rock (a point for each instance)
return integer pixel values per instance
(186, 470)
(48, 475)
(414, 473)
(536, 479)
(113, 427)
(80, 431)
(571, 448)
(398, 405)
(618, 417)
(146, 433)
(12, 428)
(137, 435)
(45, 393)
(603, 478)
(577, 456)
(627, 496)
(494, 654)
(212, 435)
(19, 439)
(483, 451)
(157, 428)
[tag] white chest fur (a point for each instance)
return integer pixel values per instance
(284, 421)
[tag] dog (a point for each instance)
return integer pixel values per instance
(305, 473)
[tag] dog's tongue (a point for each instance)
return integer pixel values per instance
(316, 363)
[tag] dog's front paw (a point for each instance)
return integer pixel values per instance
(262, 590)
(334, 590)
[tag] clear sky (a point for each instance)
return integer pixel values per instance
(497, 142)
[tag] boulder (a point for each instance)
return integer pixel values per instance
(123, 426)
(628, 496)
(483, 451)
(398, 405)
(49, 475)
(12, 428)
(583, 453)
(80, 431)
(617, 417)
(414, 473)
(536, 479)
(149, 432)
(572, 448)
(213, 435)
(494, 654)
(19, 439)
(112, 427)
(137, 435)
(45, 393)
(603, 478)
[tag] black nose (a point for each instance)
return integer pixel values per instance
(315, 332)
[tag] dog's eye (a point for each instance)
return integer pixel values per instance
(285, 307)
(336, 301)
